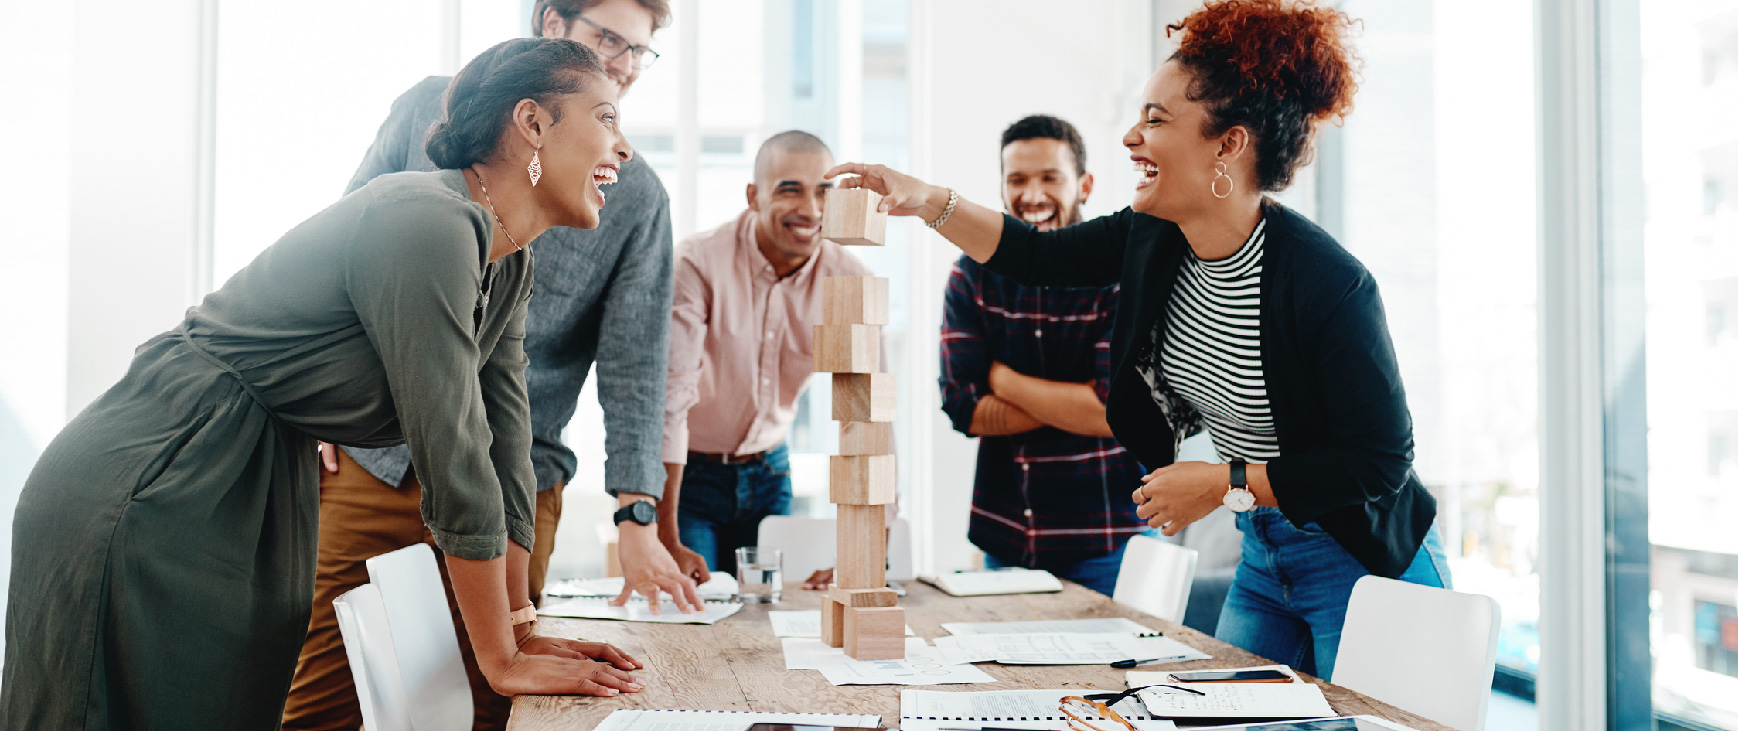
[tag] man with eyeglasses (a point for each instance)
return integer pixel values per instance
(602, 296)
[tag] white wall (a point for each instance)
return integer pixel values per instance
(978, 65)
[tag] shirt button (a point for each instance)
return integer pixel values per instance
(769, 335)
(1039, 332)
(1025, 467)
(765, 381)
(1028, 512)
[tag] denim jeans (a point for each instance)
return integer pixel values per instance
(721, 505)
(1288, 601)
(1098, 574)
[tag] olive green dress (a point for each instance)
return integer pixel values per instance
(164, 546)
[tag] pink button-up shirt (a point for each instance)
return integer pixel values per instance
(741, 341)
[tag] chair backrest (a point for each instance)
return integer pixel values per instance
(373, 662)
(1427, 650)
(427, 648)
(1155, 577)
(810, 544)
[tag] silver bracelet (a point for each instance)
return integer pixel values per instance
(953, 198)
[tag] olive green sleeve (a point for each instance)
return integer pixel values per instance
(414, 275)
(509, 410)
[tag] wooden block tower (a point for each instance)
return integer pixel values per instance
(859, 612)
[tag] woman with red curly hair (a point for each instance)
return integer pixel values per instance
(1241, 316)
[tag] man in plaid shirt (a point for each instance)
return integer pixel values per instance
(1026, 369)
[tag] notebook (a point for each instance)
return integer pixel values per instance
(1347, 723)
(927, 710)
(663, 720)
(1100, 625)
(1236, 702)
(997, 581)
(720, 587)
(1066, 648)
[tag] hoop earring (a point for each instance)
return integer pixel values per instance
(535, 169)
(1230, 185)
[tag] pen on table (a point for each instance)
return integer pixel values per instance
(1124, 664)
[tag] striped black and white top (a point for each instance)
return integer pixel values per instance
(1212, 350)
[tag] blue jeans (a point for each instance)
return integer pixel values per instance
(1098, 574)
(722, 504)
(1288, 601)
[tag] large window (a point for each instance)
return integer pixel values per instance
(1689, 152)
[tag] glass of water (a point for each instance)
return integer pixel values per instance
(759, 578)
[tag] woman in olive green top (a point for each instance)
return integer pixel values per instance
(164, 547)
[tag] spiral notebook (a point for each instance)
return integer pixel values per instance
(924, 710)
(665, 720)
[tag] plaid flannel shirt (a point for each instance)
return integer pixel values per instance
(1045, 498)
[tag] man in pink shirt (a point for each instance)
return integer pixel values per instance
(747, 295)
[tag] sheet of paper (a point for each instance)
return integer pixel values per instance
(803, 624)
(1237, 700)
(635, 720)
(638, 612)
(919, 667)
(806, 653)
(1102, 625)
(721, 587)
(998, 707)
(998, 581)
(1067, 648)
(1138, 678)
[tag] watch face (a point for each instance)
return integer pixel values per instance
(1240, 500)
(644, 513)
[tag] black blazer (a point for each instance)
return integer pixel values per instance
(1339, 410)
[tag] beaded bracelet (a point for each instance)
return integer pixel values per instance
(952, 199)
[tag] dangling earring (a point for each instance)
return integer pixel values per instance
(1230, 184)
(535, 168)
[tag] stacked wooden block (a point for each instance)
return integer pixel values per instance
(859, 612)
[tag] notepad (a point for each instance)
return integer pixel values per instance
(1067, 648)
(596, 608)
(996, 581)
(1345, 723)
(721, 587)
(1228, 702)
(666, 720)
(926, 710)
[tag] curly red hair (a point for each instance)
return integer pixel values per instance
(1275, 67)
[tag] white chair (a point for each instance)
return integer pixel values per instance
(374, 665)
(1427, 650)
(1155, 577)
(404, 654)
(810, 544)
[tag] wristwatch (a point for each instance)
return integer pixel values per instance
(640, 511)
(1239, 499)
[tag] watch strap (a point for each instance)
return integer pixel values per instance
(527, 613)
(1239, 473)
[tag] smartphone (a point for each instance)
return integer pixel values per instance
(1230, 676)
(799, 727)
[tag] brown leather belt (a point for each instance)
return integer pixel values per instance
(726, 458)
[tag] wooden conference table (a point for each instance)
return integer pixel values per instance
(738, 665)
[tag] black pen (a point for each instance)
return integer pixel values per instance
(1124, 664)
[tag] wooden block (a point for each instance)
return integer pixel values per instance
(862, 548)
(833, 622)
(847, 348)
(854, 301)
(865, 480)
(875, 633)
(865, 397)
(857, 438)
(882, 597)
(850, 217)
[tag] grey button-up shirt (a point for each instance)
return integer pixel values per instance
(601, 295)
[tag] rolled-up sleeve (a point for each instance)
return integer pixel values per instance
(965, 360)
(414, 275)
(689, 313)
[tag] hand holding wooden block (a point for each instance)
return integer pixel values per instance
(875, 633)
(851, 217)
(859, 438)
(865, 397)
(847, 348)
(854, 301)
(867, 480)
